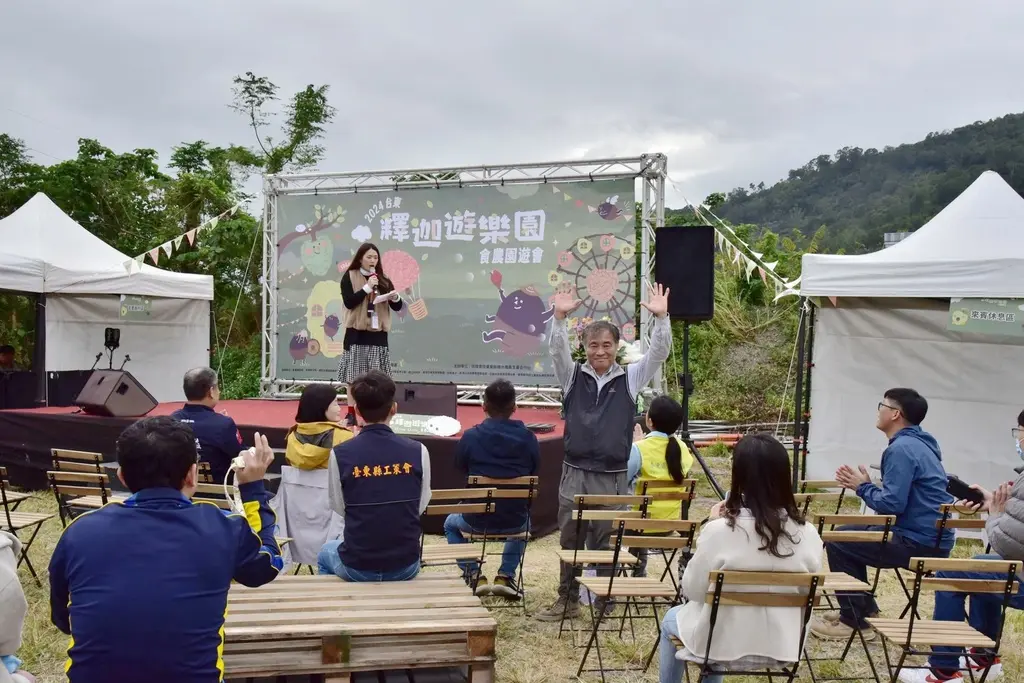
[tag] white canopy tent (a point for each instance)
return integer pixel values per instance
(882, 323)
(81, 278)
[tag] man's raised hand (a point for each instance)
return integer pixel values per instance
(565, 304)
(657, 300)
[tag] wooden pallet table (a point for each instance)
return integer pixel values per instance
(302, 625)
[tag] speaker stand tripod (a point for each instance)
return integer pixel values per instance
(686, 382)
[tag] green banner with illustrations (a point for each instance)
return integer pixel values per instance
(477, 267)
(987, 316)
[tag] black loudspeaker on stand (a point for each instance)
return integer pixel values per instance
(115, 393)
(684, 262)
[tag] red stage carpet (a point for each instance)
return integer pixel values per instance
(26, 437)
(280, 415)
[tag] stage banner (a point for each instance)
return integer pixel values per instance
(477, 267)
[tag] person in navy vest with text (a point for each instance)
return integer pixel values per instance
(218, 440)
(380, 485)
(599, 399)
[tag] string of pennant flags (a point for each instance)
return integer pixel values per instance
(743, 255)
(134, 265)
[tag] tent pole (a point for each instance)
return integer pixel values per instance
(798, 394)
(39, 351)
(807, 391)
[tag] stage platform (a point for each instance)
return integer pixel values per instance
(26, 437)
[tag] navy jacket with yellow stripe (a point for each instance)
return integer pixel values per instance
(142, 586)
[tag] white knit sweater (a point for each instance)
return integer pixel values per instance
(770, 632)
(12, 600)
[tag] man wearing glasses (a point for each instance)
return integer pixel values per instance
(913, 488)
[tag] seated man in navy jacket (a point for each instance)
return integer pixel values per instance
(141, 586)
(217, 438)
(913, 488)
(380, 485)
(501, 448)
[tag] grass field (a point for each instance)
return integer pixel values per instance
(528, 651)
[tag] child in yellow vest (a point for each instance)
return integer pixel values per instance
(318, 429)
(659, 457)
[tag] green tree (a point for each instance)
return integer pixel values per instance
(306, 116)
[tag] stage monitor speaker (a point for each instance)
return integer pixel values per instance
(115, 393)
(427, 398)
(684, 261)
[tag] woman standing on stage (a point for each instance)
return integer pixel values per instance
(366, 324)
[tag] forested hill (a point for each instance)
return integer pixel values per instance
(859, 194)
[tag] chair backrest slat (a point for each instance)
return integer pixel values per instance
(459, 508)
(853, 536)
(477, 480)
(586, 499)
(936, 564)
(86, 477)
(854, 519)
(816, 497)
(953, 523)
(753, 578)
(608, 515)
(461, 494)
(61, 454)
(668, 484)
(764, 598)
(737, 599)
(631, 523)
(656, 542)
(819, 484)
(967, 585)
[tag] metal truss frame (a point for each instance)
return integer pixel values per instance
(650, 169)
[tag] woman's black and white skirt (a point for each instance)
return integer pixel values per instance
(359, 359)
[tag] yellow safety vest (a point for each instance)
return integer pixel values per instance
(654, 468)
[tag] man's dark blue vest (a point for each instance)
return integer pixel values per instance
(598, 425)
(382, 481)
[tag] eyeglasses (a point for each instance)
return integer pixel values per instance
(1016, 433)
(883, 404)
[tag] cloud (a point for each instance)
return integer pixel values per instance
(362, 234)
(731, 97)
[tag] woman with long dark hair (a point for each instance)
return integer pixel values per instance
(659, 456)
(317, 428)
(758, 527)
(366, 324)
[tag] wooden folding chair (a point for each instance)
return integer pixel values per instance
(908, 634)
(633, 589)
(77, 461)
(451, 554)
(14, 522)
(683, 492)
(833, 585)
(756, 592)
(824, 486)
(78, 492)
(515, 488)
(598, 509)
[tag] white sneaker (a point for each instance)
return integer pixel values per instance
(926, 676)
(993, 673)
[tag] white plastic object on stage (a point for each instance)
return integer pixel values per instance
(442, 425)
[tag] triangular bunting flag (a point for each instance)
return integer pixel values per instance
(736, 256)
(154, 255)
(128, 265)
(233, 209)
(212, 223)
(177, 241)
(140, 260)
(555, 189)
(771, 266)
(591, 209)
(168, 248)
(750, 268)
(764, 278)
(191, 236)
(833, 299)
(756, 255)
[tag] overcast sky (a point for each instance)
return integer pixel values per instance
(732, 92)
